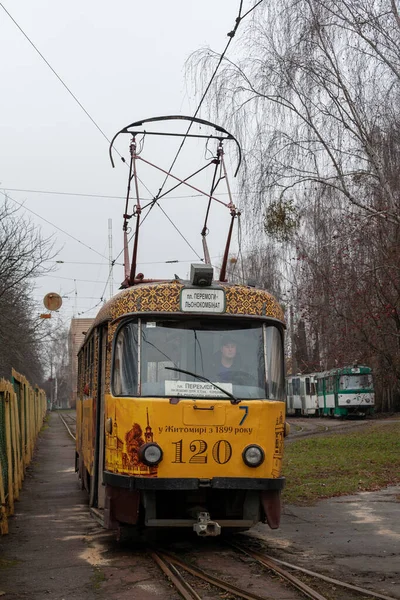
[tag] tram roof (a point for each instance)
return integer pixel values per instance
(347, 370)
(164, 297)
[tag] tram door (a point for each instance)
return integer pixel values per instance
(97, 494)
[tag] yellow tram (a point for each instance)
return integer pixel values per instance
(161, 447)
(181, 407)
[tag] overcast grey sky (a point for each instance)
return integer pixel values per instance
(124, 61)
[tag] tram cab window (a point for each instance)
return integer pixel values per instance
(243, 357)
(355, 382)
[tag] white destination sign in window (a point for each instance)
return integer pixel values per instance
(203, 300)
(201, 389)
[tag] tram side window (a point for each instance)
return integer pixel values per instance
(275, 373)
(86, 368)
(80, 386)
(296, 386)
(329, 385)
(91, 365)
(125, 378)
(308, 390)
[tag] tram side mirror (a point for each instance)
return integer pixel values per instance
(201, 275)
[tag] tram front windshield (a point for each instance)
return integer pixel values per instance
(243, 358)
(355, 382)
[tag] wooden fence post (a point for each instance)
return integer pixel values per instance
(10, 490)
(23, 412)
(3, 512)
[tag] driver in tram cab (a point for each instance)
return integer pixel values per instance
(227, 362)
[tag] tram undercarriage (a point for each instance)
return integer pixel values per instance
(206, 511)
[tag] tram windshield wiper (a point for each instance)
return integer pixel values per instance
(233, 398)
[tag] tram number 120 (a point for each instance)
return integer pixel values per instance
(221, 452)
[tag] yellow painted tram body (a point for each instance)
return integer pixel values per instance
(158, 446)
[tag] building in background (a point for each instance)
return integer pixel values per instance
(76, 336)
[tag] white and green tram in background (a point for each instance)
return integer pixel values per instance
(346, 391)
(336, 393)
(301, 395)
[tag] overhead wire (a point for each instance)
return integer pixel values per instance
(101, 297)
(109, 197)
(52, 224)
(153, 262)
(54, 72)
(231, 36)
(155, 199)
(74, 279)
(82, 107)
(177, 229)
(75, 262)
(62, 82)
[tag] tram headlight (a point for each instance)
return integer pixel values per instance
(253, 456)
(150, 454)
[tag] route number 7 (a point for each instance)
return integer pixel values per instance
(246, 412)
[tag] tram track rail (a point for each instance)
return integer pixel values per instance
(70, 432)
(172, 567)
(277, 566)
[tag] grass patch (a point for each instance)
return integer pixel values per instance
(97, 578)
(6, 563)
(337, 465)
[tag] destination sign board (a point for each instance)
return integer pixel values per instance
(202, 300)
(200, 389)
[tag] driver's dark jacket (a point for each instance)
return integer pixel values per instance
(224, 374)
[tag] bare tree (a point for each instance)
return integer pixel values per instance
(23, 256)
(56, 363)
(316, 84)
(23, 250)
(313, 96)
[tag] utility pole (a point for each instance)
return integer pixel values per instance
(110, 258)
(56, 389)
(51, 384)
(293, 341)
(75, 300)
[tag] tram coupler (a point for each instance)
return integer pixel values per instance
(206, 527)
